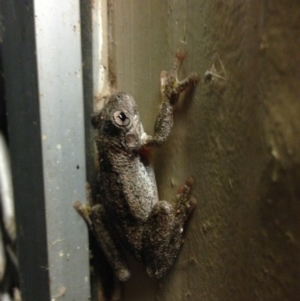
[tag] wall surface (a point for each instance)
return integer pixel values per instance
(238, 135)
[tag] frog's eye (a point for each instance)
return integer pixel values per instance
(121, 118)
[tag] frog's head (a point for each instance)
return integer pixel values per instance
(118, 123)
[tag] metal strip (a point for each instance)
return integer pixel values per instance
(43, 73)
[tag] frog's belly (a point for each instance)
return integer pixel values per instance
(140, 191)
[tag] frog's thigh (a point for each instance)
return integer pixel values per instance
(110, 247)
(157, 236)
(159, 224)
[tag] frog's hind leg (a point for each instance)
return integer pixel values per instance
(95, 218)
(163, 232)
(111, 248)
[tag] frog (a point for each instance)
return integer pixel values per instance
(128, 214)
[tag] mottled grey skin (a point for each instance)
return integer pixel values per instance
(129, 213)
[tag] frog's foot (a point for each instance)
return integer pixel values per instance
(122, 273)
(185, 202)
(83, 211)
(171, 87)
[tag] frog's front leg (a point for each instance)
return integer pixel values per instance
(171, 88)
(163, 232)
(95, 218)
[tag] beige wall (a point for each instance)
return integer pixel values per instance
(238, 136)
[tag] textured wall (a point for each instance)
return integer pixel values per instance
(238, 136)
